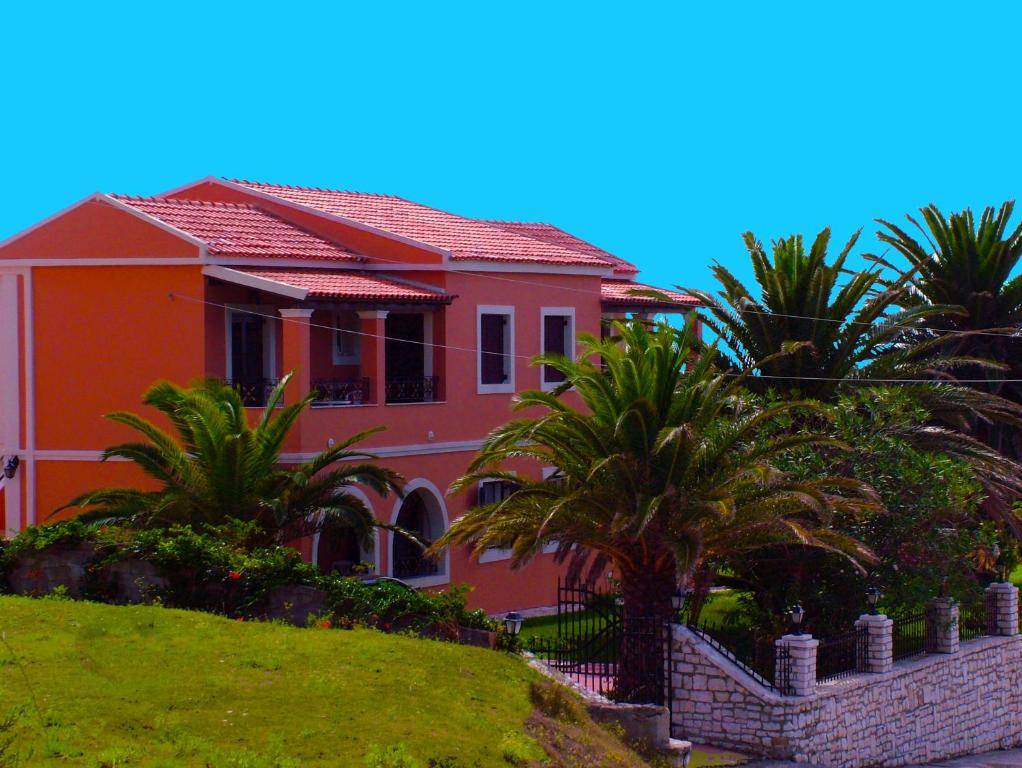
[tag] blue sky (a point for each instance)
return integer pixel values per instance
(659, 132)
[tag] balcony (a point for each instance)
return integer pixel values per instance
(336, 392)
(412, 389)
(255, 392)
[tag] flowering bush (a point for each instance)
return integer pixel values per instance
(214, 569)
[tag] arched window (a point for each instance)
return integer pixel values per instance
(337, 549)
(423, 514)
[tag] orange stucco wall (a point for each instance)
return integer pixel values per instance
(98, 230)
(103, 335)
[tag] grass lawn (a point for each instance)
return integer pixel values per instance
(718, 606)
(103, 686)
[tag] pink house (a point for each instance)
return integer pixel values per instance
(398, 314)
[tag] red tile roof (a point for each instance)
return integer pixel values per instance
(618, 293)
(552, 234)
(463, 238)
(337, 284)
(232, 229)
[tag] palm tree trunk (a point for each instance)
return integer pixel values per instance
(647, 589)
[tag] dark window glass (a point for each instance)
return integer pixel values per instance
(492, 491)
(494, 362)
(555, 341)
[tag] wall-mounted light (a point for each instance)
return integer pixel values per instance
(11, 467)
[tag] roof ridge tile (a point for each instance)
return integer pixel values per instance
(330, 190)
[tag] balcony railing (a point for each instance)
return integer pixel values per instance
(414, 567)
(412, 389)
(254, 392)
(341, 391)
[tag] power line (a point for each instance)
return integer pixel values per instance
(475, 351)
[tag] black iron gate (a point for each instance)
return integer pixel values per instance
(597, 648)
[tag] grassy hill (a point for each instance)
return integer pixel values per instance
(83, 684)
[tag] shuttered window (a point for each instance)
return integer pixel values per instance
(555, 337)
(494, 349)
(558, 338)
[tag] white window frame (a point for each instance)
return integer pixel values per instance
(492, 554)
(509, 348)
(269, 337)
(571, 347)
(356, 357)
(437, 579)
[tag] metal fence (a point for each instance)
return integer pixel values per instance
(598, 648)
(910, 636)
(842, 655)
(756, 654)
(972, 622)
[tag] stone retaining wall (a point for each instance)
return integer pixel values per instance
(925, 709)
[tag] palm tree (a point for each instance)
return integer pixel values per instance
(667, 459)
(969, 267)
(806, 335)
(219, 468)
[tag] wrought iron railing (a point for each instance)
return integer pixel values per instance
(972, 621)
(341, 391)
(910, 636)
(597, 648)
(412, 389)
(842, 655)
(255, 391)
(414, 567)
(756, 654)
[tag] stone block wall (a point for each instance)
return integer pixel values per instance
(925, 709)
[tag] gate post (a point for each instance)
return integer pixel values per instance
(1002, 608)
(795, 670)
(942, 626)
(879, 650)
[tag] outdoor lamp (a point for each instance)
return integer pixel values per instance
(678, 600)
(513, 623)
(872, 597)
(11, 467)
(797, 614)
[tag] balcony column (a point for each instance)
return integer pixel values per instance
(372, 326)
(296, 352)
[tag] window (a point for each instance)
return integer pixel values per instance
(496, 349)
(491, 492)
(251, 352)
(558, 338)
(347, 340)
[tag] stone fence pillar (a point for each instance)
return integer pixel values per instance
(941, 626)
(1002, 609)
(878, 653)
(795, 671)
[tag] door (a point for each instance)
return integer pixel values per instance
(405, 358)
(248, 358)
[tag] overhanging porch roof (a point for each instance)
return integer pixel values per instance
(329, 284)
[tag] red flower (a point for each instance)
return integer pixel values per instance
(233, 575)
(386, 626)
(325, 624)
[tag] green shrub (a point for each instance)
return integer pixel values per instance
(215, 569)
(557, 702)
